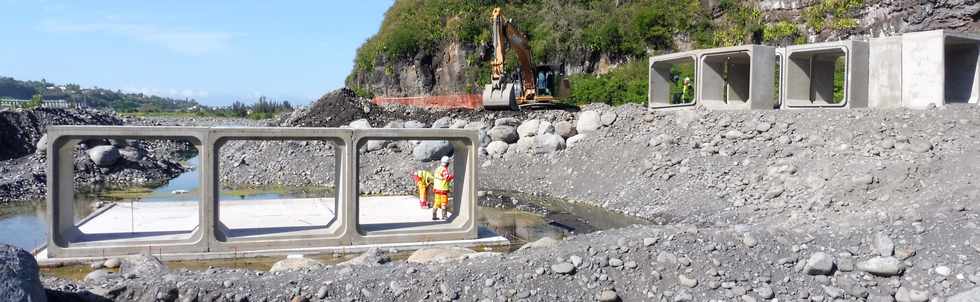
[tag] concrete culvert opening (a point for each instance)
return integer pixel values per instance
(122, 193)
(962, 84)
(817, 78)
(726, 78)
(672, 82)
(426, 196)
(286, 203)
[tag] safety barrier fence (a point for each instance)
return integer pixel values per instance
(468, 101)
(210, 235)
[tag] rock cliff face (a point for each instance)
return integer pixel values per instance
(888, 17)
(426, 74)
(452, 69)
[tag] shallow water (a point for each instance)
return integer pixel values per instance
(24, 225)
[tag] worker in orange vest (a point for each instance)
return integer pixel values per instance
(442, 187)
(423, 180)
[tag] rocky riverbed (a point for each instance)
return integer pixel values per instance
(810, 205)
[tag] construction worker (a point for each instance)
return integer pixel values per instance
(686, 91)
(441, 188)
(423, 180)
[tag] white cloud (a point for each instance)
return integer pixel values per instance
(181, 40)
(169, 92)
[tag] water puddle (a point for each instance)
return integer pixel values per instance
(519, 217)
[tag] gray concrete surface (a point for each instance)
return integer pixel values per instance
(660, 79)
(885, 72)
(915, 70)
(808, 80)
(939, 67)
(737, 78)
(213, 234)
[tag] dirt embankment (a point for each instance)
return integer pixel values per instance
(98, 162)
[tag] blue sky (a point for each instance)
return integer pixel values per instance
(212, 51)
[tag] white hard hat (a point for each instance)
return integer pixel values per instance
(445, 160)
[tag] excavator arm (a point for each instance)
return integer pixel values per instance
(499, 93)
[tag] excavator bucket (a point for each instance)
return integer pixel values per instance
(499, 97)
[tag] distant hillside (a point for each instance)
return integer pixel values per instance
(91, 97)
(427, 47)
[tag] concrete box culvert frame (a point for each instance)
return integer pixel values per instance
(209, 237)
(939, 67)
(659, 94)
(336, 232)
(885, 72)
(779, 93)
(808, 77)
(462, 224)
(62, 231)
(749, 82)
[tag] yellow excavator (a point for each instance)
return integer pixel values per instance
(538, 85)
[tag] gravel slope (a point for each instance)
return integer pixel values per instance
(815, 205)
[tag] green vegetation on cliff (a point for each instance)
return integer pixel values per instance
(577, 34)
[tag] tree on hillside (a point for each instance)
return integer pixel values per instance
(36, 101)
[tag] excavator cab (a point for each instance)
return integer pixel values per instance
(551, 84)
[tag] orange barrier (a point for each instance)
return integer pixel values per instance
(468, 101)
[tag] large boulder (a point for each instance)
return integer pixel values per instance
(819, 263)
(565, 129)
(295, 263)
(484, 138)
(371, 257)
(548, 143)
(588, 121)
(142, 265)
(459, 124)
(442, 123)
(104, 156)
(439, 255)
(544, 242)
(507, 134)
(507, 121)
(528, 128)
(375, 145)
(524, 145)
(608, 118)
(881, 266)
(360, 124)
(19, 280)
(574, 140)
(41, 147)
(413, 125)
(546, 128)
(497, 148)
(395, 124)
(432, 150)
(131, 153)
(475, 125)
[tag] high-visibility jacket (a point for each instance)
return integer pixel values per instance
(422, 178)
(444, 179)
